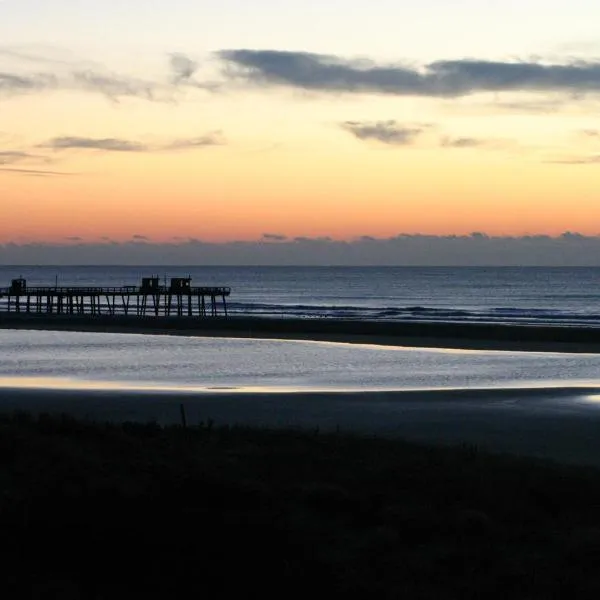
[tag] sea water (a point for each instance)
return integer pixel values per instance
(527, 295)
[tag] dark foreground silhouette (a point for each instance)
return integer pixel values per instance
(137, 511)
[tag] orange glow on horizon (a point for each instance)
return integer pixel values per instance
(222, 195)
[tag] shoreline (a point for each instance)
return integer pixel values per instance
(467, 336)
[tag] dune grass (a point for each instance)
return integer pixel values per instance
(91, 510)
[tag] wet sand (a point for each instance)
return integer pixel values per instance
(479, 336)
(560, 424)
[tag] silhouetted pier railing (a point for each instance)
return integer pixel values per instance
(177, 299)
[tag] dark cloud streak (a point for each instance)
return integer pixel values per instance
(11, 83)
(386, 132)
(114, 86)
(10, 157)
(274, 237)
(446, 78)
(78, 76)
(108, 144)
(123, 145)
(34, 172)
(461, 142)
(213, 138)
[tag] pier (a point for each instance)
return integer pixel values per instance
(179, 298)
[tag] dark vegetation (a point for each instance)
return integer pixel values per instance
(138, 511)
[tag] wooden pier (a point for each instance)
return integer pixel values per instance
(179, 298)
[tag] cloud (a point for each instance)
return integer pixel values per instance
(302, 239)
(461, 142)
(573, 235)
(390, 132)
(593, 159)
(34, 172)
(183, 71)
(112, 86)
(68, 74)
(11, 83)
(274, 237)
(443, 78)
(387, 132)
(122, 145)
(108, 144)
(9, 157)
(182, 67)
(535, 106)
(115, 86)
(314, 72)
(213, 138)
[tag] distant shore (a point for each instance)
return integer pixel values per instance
(476, 336)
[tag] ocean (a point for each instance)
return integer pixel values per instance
(526, 295)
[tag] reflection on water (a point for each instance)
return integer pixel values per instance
(60, 383)
(70, 360)
(592, 398)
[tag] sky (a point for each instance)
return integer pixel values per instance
(283, 126)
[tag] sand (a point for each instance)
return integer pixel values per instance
(481, 336)
(560, 424)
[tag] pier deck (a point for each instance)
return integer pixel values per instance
(177, 299)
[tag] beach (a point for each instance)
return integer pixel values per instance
(558, 422)
(440, 488)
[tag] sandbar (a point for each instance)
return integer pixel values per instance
(476, 336)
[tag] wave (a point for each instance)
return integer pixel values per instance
(503, 314)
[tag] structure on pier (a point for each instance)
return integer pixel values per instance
(179, 298)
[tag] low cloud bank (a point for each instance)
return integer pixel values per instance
(477, 249)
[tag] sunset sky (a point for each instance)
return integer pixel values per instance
(166, 121)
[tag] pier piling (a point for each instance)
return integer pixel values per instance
(179, 298)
